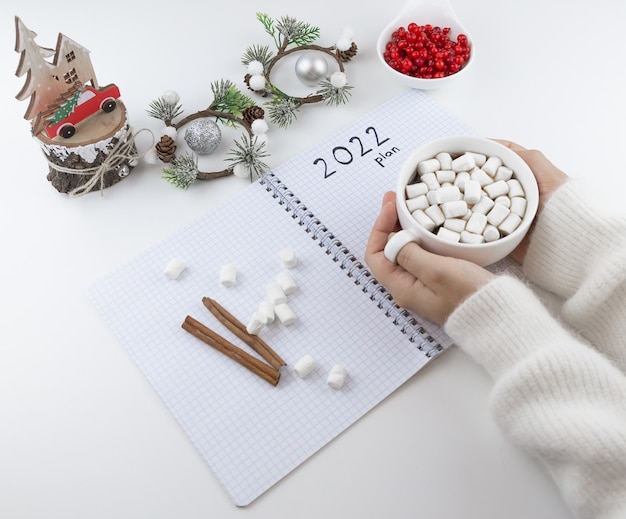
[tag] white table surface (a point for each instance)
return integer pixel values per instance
(82, 434)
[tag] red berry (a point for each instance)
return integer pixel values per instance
(426, 51)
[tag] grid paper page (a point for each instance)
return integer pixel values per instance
(250, 433)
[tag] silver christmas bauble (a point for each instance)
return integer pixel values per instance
(311, 67)
(203, 136)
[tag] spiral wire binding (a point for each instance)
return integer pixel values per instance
(341, 255)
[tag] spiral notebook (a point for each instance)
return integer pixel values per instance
(321, 204)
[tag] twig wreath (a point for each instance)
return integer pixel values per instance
(290, 36)
(230, 108)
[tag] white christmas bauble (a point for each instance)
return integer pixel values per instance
(241, 171)
(311, 67)
(257, 82)
(255, 67)
(343, 44)
(203, 136)
(259, 126)
(171, 97)
(338, 79)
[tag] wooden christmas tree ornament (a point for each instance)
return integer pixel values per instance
(82, 128)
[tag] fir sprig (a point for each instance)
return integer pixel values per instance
(333, 95)
(228, 98)
(297, 32)
(261, 53)
(160, 109)
(183, 172)
(268, 23)
(283, 110)
(249, 153)
(290, 30)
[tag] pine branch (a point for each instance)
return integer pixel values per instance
(333, 95)
(249, 154)
(259, 53)
(268, 23)
(228, 98)
(183, 172)
(159, 109)
(221, 91)
(297, 32)
(283, 110)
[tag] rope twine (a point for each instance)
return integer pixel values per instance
(123, 151)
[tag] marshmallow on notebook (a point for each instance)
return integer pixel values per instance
(305, 366)
(276, 294)
(256, 323)
(174, 268)
(337, 376)
(228, 275)
(266, 307)
(288, 257)
(285, 314)
(286, 282)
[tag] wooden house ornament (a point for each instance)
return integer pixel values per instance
(82, 128)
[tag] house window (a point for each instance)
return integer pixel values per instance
(70, 56)
(70, 77)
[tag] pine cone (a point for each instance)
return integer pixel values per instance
(166, 148)
(246, 80)
(252, 113)
(347, 55)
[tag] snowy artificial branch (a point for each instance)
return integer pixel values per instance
(247, 155)
(283, 110)
(260, 53)
(335, 90)
(296, 32)
(161, 109)
(183, 172)
(227, 98)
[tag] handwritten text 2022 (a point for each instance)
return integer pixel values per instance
(358, 147)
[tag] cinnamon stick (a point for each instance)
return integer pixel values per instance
(213, 339)
(239, 329)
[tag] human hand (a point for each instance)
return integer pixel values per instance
(549, 178)
(427, 284)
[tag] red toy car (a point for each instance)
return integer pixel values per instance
(89, 102)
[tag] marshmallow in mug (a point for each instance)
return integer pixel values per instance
(476, 199)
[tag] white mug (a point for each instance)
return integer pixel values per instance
(483, 253)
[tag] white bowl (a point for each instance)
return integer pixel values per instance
(484, 253)
(436, 13)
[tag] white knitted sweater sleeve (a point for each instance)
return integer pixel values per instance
(560, 388)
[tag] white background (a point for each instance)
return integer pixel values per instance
(81, 432)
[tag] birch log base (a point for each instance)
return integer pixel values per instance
(93, 149)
